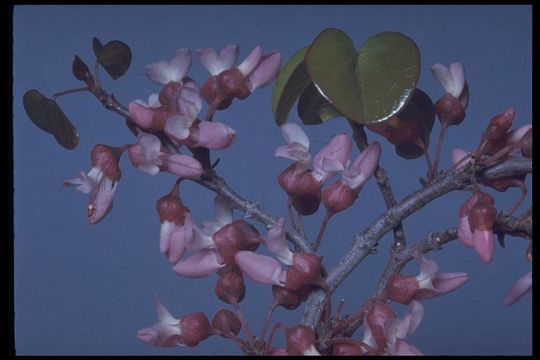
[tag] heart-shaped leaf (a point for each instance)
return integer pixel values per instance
(97, 46)
(33, 105)
(289, 84)
(80, 69)
(387, 70)
(331, 61)
(48, 116)
(115, 57)
(313, 108)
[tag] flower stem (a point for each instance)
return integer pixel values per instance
(438, 150)
(324, 224)
(70, 91)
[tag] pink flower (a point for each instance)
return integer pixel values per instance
(277, 243)
(182, 165)
(452, 80)
(457, 155)
(332, 158)
(260, 70)
(520, 288)
(200, 264)
(146, 154)
(212, 135)
(297, 147)
(215, 63)
(189, 330)
(100, 182)
(359, 172)
(163, 72)
(260, 268)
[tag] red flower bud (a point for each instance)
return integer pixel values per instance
(234, 237)
(170, 207)
(305, 270)
(499, 126)
(169, 92)
(230, 287)
(376, 317)
(482, 216)
(449, 110)
(302, 187)
(337, 197)
(300, 341)
(233, 84)
(348, 348)
(290, 299)
(195, 328)
(226, 321)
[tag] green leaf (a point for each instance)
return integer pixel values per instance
(387, 70)
(115, 57)
(331, 61)
(291, 81)
(33, 105)
(313, 108)
(48, 116)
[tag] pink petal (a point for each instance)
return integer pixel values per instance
(177, 127)
(338, 149)
(443, 283)
(214, 135)
(141, 115)
(515, 135)
(84, 183)
(166, 230)
(277, 243)
(177, 244)
(363, 167)
(464, 232)
(101, 200)
(265, 72)
(183, 165)
(458, 77)
(195, 239)
(189, 102)
(217, 63)
(164, 316)
(294, 151)
(484, 244)
(200, 264)
(163, 72)
(520, 288)
(293, 133)
(160, 335)
(443, 76)
(251, 62)
(260, 268)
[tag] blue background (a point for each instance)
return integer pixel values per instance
(82, 289)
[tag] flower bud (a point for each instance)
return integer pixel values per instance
(290, 299)
(235, 236)
(303, 189)
(233, 84)
(168, 93)
(195, 328)
(170, 207)
(337, 197)
(499, 126)
(376, 318)
(301, 341)
(226, 321)
(230, 287)
(305, 270)
(449, 110)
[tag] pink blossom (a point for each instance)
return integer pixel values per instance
(277, 243)
(146, 154)
(200, 264)
(452, 80)
(214, 63)
(332, 158)
(164, 333)
(297, 147)
(100, 182)
(358, 173)
(182, 165)
(213, 135)
(520, 288)
(260, 268)
(163, 72)
(457, 155)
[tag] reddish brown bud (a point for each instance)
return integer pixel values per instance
(338, 197)
(449, 110)
(302, 187)
(234, 237)
(300, 340)
(226, 321)
(230, 287)
(498, 126)
(170, 207)
(402, 288)
(305, 270)
(106, 158)
(290, 299)
(195, 328)
(376, 317)
(169, 92)
(278, 352)
(503, 184)
(482, 216)
(233, 84)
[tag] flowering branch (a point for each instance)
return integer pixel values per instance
(366, 241)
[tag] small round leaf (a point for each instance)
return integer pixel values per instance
(330, 61)
(115, 57)
(80, 69)
(387, 71)
(63, 130)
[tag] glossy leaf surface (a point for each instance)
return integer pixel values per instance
(387, 70)
(33, 105)
(291, 81)
(331, 61)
